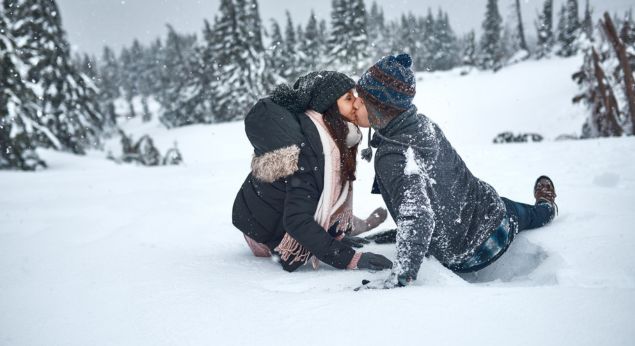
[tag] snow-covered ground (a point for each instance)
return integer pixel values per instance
(95, 253)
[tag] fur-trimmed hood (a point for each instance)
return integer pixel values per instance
(275, 164)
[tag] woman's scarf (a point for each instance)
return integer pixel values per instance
(335, 204)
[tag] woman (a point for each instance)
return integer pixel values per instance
(296, 203)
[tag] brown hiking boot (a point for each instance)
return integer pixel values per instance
(544, 191)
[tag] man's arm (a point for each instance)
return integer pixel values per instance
(406, 184)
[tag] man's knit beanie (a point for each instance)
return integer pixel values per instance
(390, 82)
(315, 90)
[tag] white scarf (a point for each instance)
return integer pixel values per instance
(327, 206)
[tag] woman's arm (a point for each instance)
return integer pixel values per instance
(301, 202)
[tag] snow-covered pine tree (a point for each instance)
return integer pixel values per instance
(544, 28)
(156, 64)
(18, 109)
(291, 59)
(359, 49)
(190, 76)
(323, 36)
(587, 22)
(490, 46)
(469, 56)
(561, 36)
(569, 45)
(137, 69)
(254, 60)
(67, 98)
(425, 60)
(627, 33)
(254, 26)
(128, 80)
(408, 37)
(275, 55)
(234, 92)
(241, 69)
(87, 65)
(311, 45)
(109, 85)
(339, 39)
(379, 37)
(447, 55)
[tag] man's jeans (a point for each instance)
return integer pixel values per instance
(519, 217)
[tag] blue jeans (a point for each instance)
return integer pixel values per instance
(519, 217)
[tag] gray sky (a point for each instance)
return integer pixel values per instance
(91, 24)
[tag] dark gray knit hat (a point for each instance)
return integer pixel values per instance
(316, 90)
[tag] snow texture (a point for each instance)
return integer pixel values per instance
(95, 253)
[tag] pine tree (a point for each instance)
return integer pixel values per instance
(240, 61)
(254, 25)
(291, 59)
(66, 98)
(447, 52)
(228, 82)
(587, 22)
(627, 33)
(375, 25)
(562, 30)
(359, 49)
(18, 109)
(177, 79)
(338, 42)
(544, 28)
(407, 38)
(128, 80)
(428, 31)
(276, 57)
(469, 57)
(109, 85)
(311, 44)
(571, 31)
(490, 46)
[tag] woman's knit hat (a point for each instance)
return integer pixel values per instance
(390, 82)
(316, 90)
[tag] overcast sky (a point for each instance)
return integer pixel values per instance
(91, 24)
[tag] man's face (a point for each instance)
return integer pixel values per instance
(361, 112)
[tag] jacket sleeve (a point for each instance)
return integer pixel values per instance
(300, 204)
(406, 185)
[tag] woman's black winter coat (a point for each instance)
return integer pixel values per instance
(281, 193)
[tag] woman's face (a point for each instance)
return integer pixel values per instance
(361, 113)
(345, 106)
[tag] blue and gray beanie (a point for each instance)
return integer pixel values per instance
(390, 82)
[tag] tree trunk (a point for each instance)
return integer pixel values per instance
(620, 50)
(605, 108)
(521, 31)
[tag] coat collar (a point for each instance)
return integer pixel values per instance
(394, 126)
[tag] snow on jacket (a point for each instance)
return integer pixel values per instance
(440, 208)
(281, 193)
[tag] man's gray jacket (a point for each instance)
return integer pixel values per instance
(440, 208)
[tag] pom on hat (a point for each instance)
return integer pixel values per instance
(404, 59)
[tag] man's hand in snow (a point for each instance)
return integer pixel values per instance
(393, 281)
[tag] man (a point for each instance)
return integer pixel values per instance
(439, 207)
